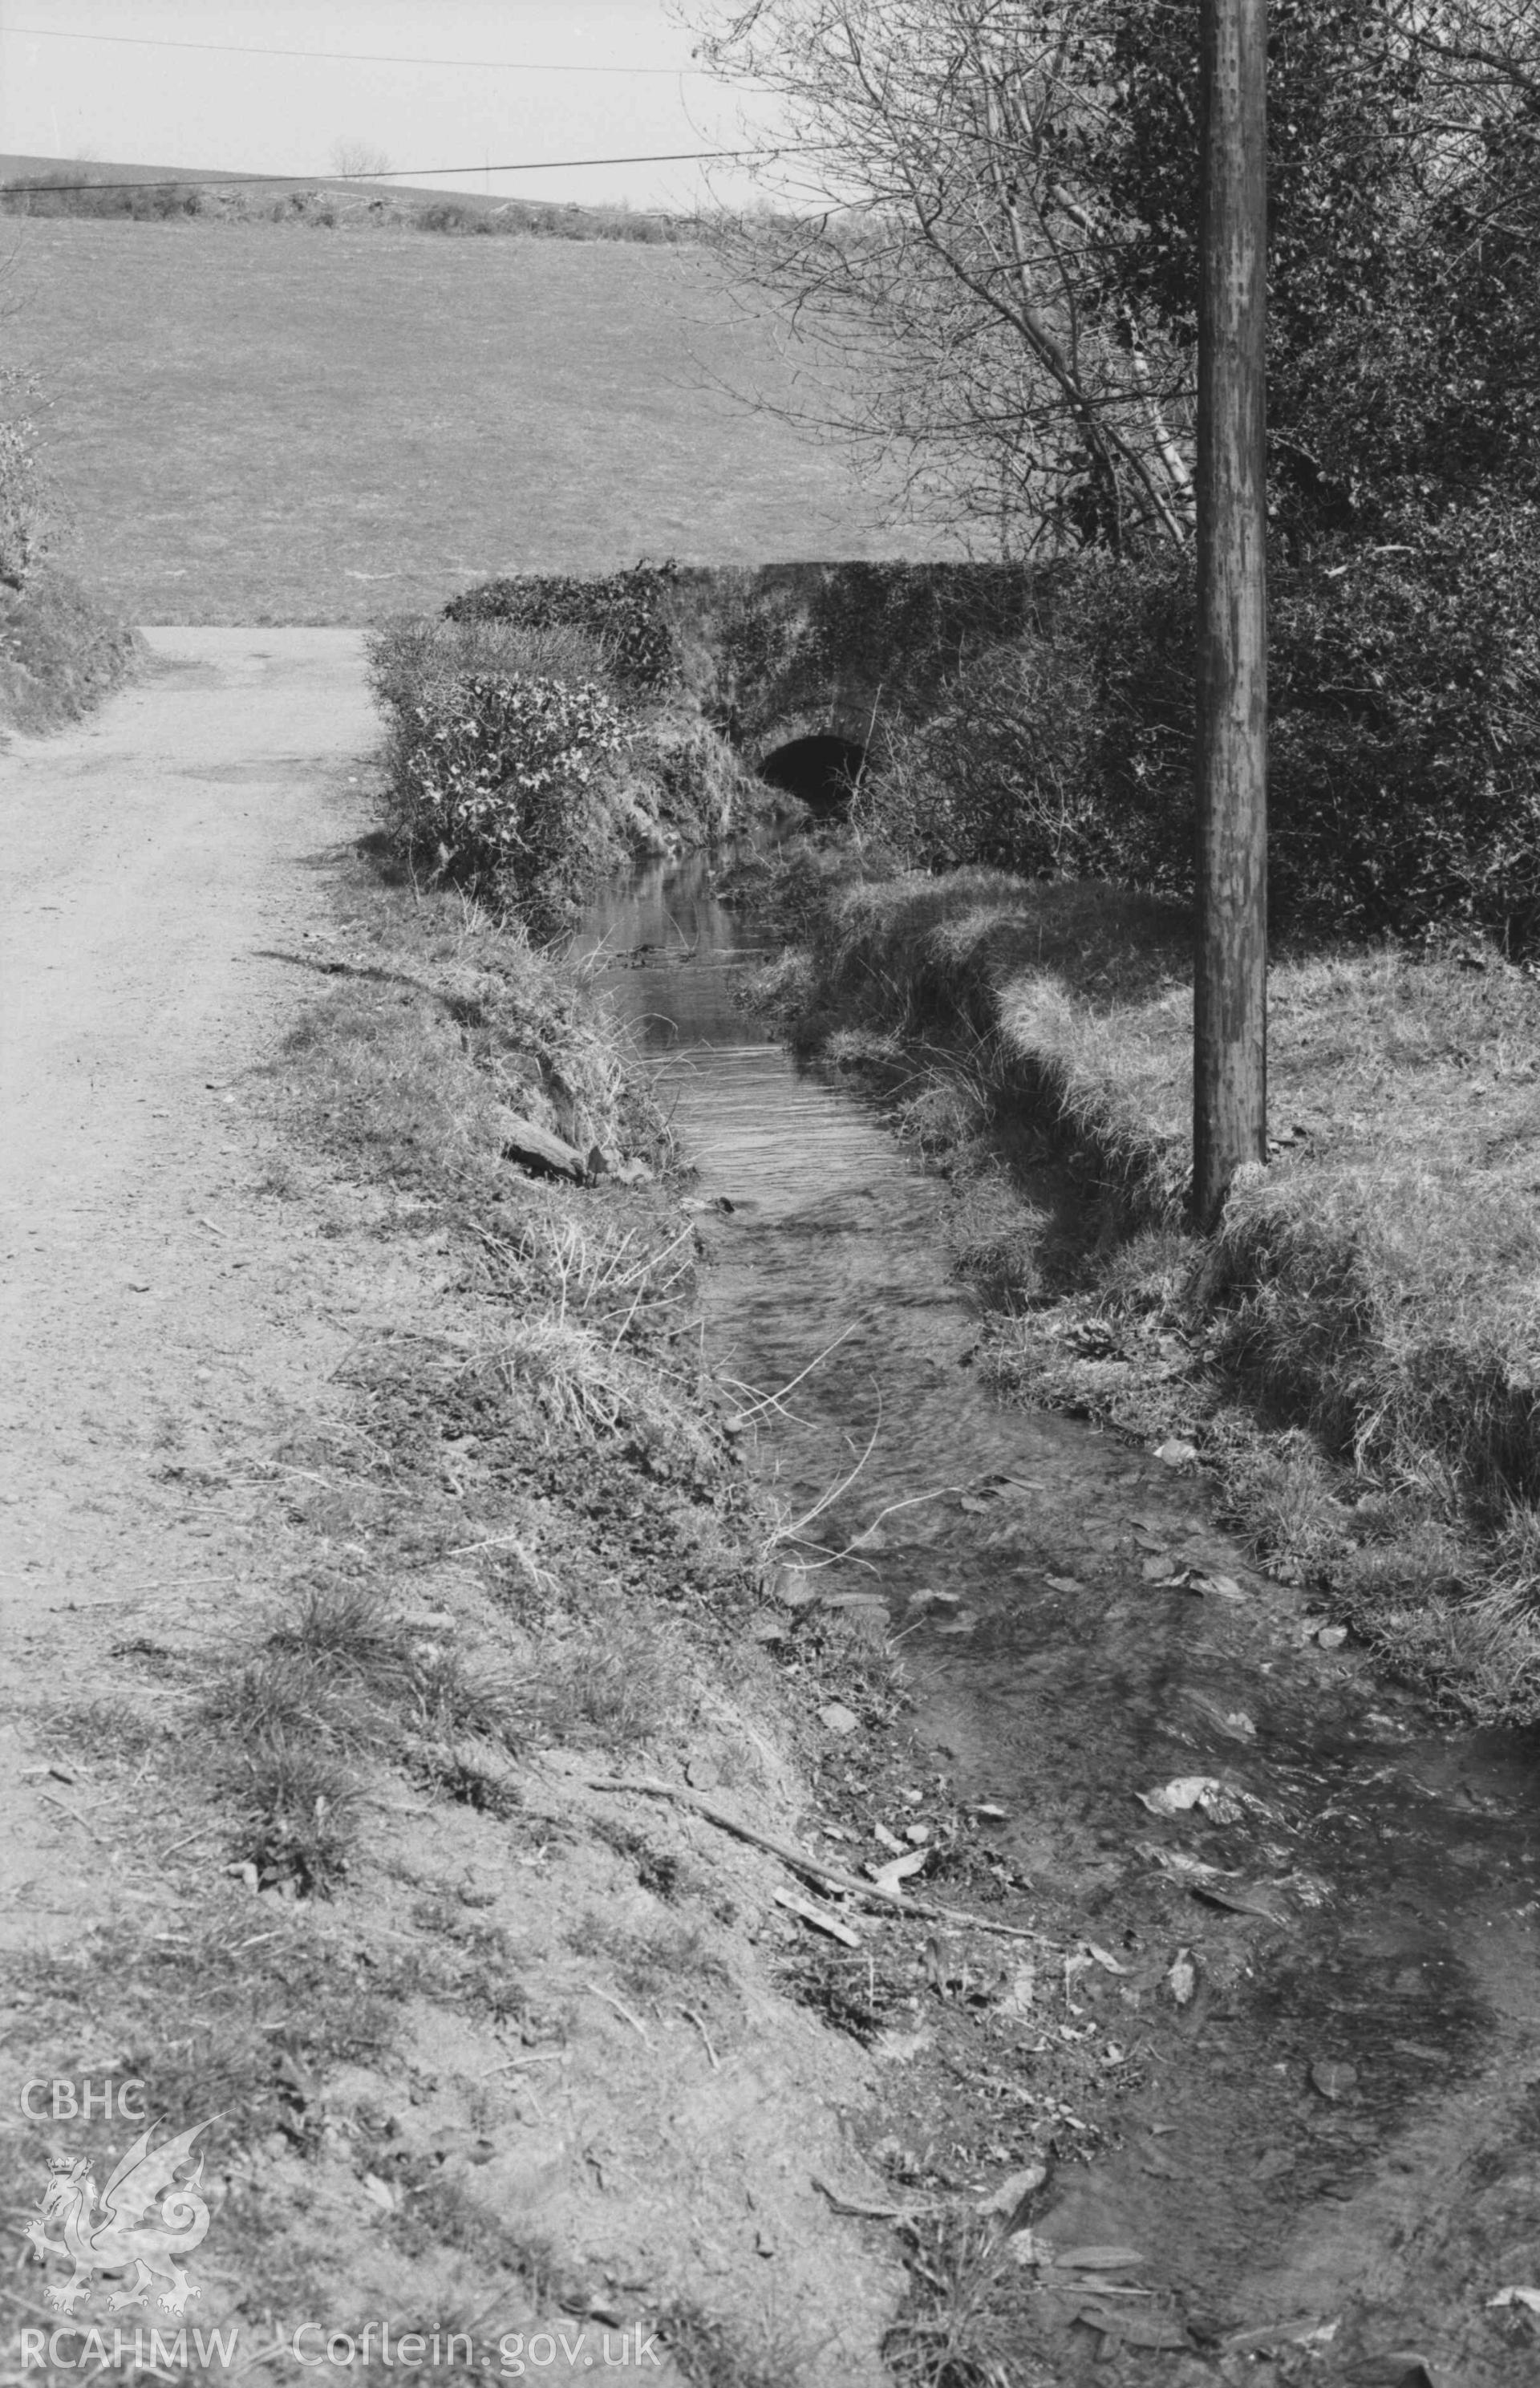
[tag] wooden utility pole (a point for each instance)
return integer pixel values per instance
(1229, 1054)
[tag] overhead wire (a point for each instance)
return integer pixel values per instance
(395, 175)
(401, 177)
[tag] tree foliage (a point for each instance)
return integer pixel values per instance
(498, 782)
(1405, 762)
(994, 241)
(1004, 259)
(1404, 171)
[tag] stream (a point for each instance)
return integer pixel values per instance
(1332, 2135)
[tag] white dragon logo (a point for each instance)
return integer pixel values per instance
(128, 2232)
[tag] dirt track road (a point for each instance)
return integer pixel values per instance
(153, 1308)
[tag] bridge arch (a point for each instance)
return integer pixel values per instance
(820, 768)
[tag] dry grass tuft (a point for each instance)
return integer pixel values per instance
(342, 1628)
(606, 1678)
(302, 1815)
(953, 2332)
(708, 2353)
(233, 2016)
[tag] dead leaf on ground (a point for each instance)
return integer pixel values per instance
(1224, 1586)
(1135, 2329)
(1309, 2330)
(1403, 2367)
(1272, 2162)
(1188, 1871)
(1263, 1901)
(1333, 2081)
(1181, 1978)
(1018, 1997)
(1234, 1723)
(1175, 1799)
(1011, 2191)
(1190, 1791)
(1064, 1583)
(1528, 2297)
(888, 1878)
(900, 2047)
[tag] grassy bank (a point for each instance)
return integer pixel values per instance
(513, 2034)
(1355, 1349)
(61, 651)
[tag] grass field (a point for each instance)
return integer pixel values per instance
(255, 424)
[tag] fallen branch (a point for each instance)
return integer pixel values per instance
(813, 1869)
(621, 2009)
(75, 1817)
(690, 2016)
(822, 1919)
(855, 2205)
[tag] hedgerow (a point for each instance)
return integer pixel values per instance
(625, 610)
(1405, 735)
(23, 508)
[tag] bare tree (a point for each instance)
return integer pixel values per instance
(356, 161)
(936, 241)
(1490, 50)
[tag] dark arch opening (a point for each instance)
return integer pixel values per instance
(822, 770)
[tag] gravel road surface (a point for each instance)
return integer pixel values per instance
(156, 1308)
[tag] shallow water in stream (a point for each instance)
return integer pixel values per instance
(1397, 1863)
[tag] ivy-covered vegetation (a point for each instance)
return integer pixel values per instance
(503, 776)
(626, 612)
(61, 651)
(529, 755)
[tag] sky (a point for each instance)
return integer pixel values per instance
(466, 84)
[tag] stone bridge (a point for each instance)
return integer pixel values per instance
(812, 663)
(805, 668)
